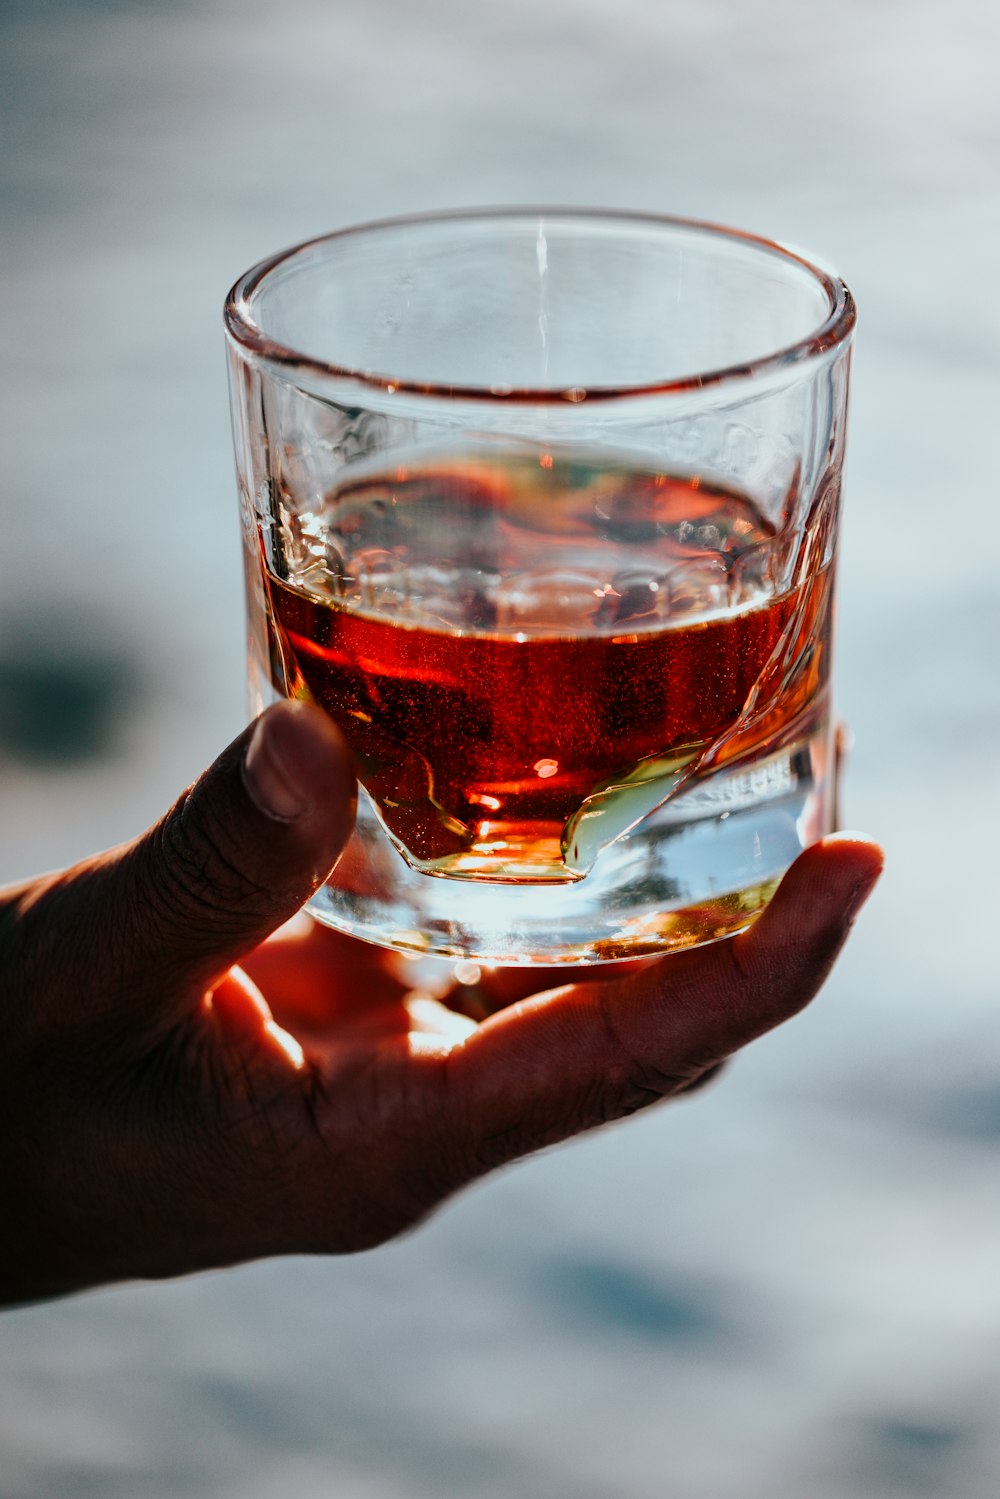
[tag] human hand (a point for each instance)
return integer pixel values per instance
(163, 1111)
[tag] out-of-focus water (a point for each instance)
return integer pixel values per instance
(788, 1286)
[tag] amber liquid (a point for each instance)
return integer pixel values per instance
(604, 641)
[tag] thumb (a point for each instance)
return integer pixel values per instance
(238, 853)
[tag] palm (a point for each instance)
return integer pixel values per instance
(327, 989)
(373, 1118)
(352, 1130)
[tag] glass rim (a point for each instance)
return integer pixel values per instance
(835, 330)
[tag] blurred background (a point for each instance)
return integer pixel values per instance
(790, 1285)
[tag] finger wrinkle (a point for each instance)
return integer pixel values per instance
(641, 1078)
(195, 848)
(623, 1061)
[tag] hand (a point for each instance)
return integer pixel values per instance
(163, 1111)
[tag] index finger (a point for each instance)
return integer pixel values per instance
(584, 1054)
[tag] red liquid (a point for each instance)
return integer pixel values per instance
(480, 746)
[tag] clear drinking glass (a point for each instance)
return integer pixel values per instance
(541, 507)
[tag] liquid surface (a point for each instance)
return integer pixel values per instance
(528, 658)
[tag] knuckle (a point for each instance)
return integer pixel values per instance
(702, 1080)
(632, 1082)
(200, 868)
(640, 1086)
(765, 988)
(513, 1142)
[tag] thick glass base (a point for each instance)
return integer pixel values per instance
(702, 867)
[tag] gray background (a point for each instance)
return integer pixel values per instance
(789, 1286)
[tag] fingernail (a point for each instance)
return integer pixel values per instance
(274, 771)
(861, 892)
(864, 886)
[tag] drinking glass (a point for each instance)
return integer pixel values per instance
(541, 507)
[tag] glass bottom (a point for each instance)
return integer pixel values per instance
(701, 868)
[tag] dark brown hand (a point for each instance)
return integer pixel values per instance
(161, 1111)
